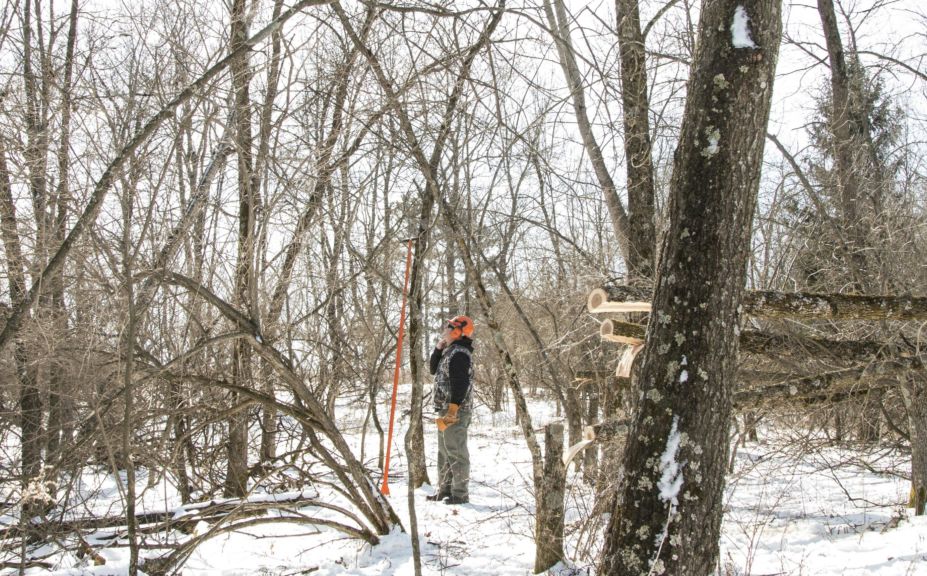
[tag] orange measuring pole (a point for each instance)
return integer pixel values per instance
(392, 411)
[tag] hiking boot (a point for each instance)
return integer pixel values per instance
(440, 495)
(457, 500)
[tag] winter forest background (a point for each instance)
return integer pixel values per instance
(206, 209)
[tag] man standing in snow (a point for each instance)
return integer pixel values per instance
(452, 366)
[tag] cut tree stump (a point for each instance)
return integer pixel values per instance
(549, 535)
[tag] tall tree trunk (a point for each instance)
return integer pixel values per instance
(667, 517)
(636, 107)
(859, 174)
(36, 151)
(128, 355)
(268, 414)
(848, 170)
(415, 435)
(236, 478)
(61, 394)
(30, 404)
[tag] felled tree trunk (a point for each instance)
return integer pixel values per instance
(767, 304)
(777, 345)
(667, 517)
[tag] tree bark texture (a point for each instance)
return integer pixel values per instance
(667, 517)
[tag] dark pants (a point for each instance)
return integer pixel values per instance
(454, 459)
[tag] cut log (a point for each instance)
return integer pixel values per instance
(806, 306)
(612, 330)
(766, 304)
(618, 298)
(826, 386)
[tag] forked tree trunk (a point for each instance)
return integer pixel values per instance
(667, 517)
(560, 29)
(636, 108)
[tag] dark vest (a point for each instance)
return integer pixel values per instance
(443, 380)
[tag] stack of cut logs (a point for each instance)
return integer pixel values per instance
(775, 365)
(784, 356)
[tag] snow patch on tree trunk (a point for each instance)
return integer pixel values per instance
(671, 471)
(740, 32)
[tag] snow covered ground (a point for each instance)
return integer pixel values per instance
(785, 514)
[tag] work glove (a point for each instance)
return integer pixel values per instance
(449, 419)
